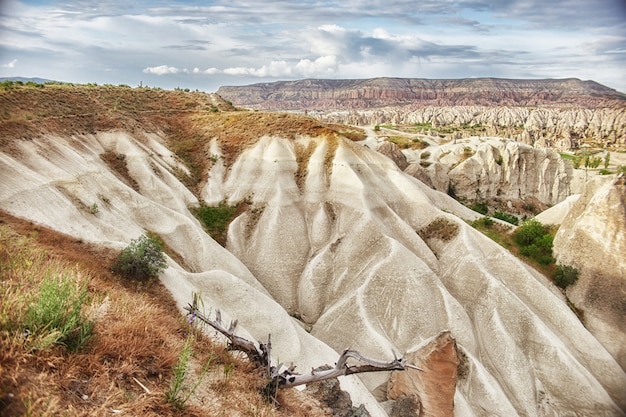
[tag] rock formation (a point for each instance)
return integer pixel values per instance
(380, 92)
(434, 384)
(592, 239)
(555, 127)
(489, 169)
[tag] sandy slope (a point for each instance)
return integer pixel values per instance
(336, 245)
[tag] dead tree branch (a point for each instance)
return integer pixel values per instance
(287, 378)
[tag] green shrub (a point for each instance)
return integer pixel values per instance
(56, 316)
(483, 221)
(506, 217)
(480, 207)
(535, 241)
(529, 231)
(142, 259)
(565, 276)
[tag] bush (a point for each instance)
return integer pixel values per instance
(142, 259)
(535, 241)
(565, 276)
(506, 217)
(529, 231)
(483, 221)
(480, 207)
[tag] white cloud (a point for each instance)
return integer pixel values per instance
(322, 66)
(274, 69)
(10, 64)
(161, 70)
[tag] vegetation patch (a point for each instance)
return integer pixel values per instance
(216, 219)
(303, 155)
(43, 300)
(440, 228)
(509, 218)
(565, 276)
(535, 241)
(117, 163)
(480, 207)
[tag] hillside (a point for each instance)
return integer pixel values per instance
(329, 246)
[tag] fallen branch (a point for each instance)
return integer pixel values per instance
(287, 378)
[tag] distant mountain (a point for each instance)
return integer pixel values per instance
(324, 94)
(25, 79)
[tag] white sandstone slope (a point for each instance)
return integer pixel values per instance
(343, 252)
(55, 181)
(369, 257)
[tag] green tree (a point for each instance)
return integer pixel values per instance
(529, 231)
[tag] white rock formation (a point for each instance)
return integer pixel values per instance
(54, 181)
(481, 169)
(592, 239)
(344, 254)
(342, 250)
(549, 126)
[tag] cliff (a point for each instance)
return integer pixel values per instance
(380, 92)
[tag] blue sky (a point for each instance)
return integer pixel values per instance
(205, 44)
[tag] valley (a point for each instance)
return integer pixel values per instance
(343, 237)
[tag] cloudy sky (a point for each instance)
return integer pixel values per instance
(205, 44)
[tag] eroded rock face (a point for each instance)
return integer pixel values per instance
(379, 92)
(435, 385)
(555, 127)
(493, 169)
(592, 238)
(361, 254)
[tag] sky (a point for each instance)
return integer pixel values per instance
(207, 44)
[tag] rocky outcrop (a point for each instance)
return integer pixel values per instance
(434, 383)
(592, 239)
(493, 169)
(392, 151)
(546, 126)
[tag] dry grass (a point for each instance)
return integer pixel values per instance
(190, 120)
(139, 334)
(440, 228)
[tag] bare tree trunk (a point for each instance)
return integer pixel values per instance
(261, 355)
